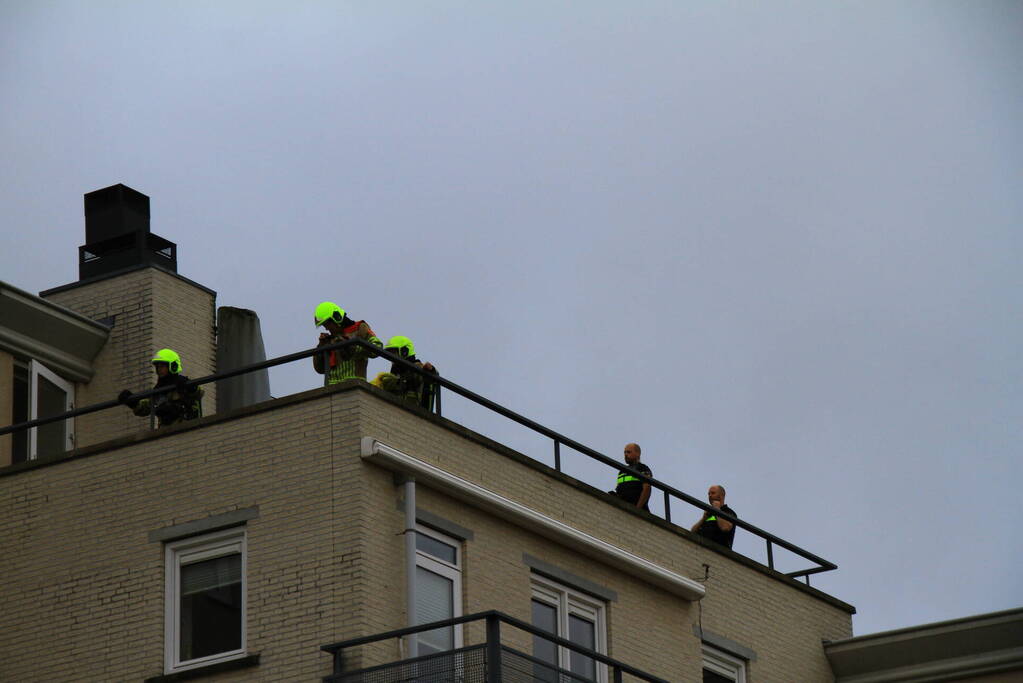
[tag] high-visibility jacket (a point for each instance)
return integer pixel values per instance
(349, 362)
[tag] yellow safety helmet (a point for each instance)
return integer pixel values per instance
(401, 345)
(171, 358)
(328, 310)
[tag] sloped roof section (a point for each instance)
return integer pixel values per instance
(63, 340)
(972, 646)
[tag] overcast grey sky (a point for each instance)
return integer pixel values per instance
(777, 244)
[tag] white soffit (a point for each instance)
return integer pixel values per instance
(393, 459)
(63, 340)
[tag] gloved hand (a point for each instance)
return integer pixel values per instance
(168, 411)
(125, 398)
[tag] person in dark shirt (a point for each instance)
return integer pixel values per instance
(713, 527)
(631, 488)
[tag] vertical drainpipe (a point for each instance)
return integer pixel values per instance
(410, 563)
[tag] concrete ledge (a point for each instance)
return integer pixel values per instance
(202, 526)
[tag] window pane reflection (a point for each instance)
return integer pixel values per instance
(582, 632)
(211, 607)
(52, 400)
(545, 617)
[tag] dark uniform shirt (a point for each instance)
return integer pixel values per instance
(630, 487)
(710, 529)
(183, 403)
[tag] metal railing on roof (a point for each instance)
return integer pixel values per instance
(669, 492)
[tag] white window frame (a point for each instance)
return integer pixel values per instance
(35, 371)
(724, 664)
(187, 551)
(568, 601)
(450, 571)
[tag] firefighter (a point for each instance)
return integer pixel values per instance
(407, 384)
(183, 402)
(348, 362)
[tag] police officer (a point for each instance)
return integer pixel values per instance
(710, 525)
(407, 384)
(631, 488)
(348, 362)
(183, 402)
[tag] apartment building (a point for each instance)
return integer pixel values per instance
(274, 541)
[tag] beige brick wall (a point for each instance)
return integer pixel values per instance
(83, 597)
(152, 310)
(84, 588)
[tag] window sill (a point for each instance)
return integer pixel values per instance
(188, 674)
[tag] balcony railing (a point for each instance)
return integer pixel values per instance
(489, 661)
(670, 493)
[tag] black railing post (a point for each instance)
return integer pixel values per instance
(770, 555)
(493, 649)
(436, 398)
(667, 507)
(617, 674)
(339, 662)
(557, 455)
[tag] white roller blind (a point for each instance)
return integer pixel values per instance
(434, 595)
(208, 574)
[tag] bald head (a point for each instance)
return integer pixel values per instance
(632, 452)
(716, 492)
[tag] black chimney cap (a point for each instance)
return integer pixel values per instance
(117, 234)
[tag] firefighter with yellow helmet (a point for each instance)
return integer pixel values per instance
(349, 362)
(183, 402)
(410, 386)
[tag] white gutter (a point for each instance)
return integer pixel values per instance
(393, 459)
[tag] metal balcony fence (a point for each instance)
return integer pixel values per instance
(436, 382)
(489, 661)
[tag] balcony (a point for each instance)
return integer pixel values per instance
(494, 659)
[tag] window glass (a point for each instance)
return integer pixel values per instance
(545, 617)
(205, 607)
(211, 607)
(51, 400)
(721, 667)
(434, 602)
(582, 632)
(19, 440)
(48, 395)
(438, 589)
(437, 548)
(571, 615)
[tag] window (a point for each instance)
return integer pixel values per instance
(571, 615)
(438, 589)
(205, 600)
(39, 392)
(719, 667)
